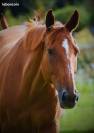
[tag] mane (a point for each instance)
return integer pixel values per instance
(35, 37)
(10, 38)
(59, 24)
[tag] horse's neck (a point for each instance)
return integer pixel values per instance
(41, 91)
(38, 85)
(33, 81)
(34, 37)
(30, 71)
(41, 87)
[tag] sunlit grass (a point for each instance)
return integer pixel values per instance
(81, 118)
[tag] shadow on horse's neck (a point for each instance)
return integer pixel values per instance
(41, 84)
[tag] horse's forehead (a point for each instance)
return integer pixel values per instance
(59, 35)
(64, 40)
(65, 45)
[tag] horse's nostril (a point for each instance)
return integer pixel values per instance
(76, 97)
(64, 95)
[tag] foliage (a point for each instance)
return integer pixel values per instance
(26, 6)
(65, 13)
(85, 41)
(16, 21)
(82, 38)
(63, 9)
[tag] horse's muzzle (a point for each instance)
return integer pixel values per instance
(67, 100)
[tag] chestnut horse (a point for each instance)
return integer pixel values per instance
(37, 66)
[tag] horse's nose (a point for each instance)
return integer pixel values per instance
(68, 100)
(66, 96)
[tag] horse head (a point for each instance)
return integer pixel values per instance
(60, 58)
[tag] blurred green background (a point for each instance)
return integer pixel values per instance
(81, 118)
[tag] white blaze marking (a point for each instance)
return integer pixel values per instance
(56, 93)
(69, 68)
(65, 45)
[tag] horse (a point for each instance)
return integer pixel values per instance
(37, 67)
(3, 21)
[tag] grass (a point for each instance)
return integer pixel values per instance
(81, 118)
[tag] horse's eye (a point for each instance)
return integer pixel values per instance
(50, 51)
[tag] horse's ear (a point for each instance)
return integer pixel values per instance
(73, 22)
(49, 20)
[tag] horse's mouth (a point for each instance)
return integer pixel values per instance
(67, 105)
